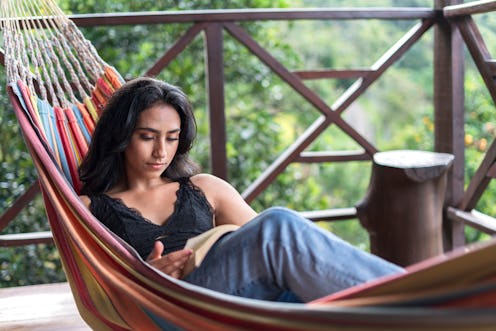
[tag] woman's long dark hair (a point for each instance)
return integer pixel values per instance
(103, 166)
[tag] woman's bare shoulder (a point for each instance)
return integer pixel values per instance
(205, 179)
(214, 186)
(229, 205)
(208, 182)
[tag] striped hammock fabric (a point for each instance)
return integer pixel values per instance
(57, 103)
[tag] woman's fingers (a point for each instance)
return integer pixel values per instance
(172, 263)
(157, 251)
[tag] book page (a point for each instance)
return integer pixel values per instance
(202, 243)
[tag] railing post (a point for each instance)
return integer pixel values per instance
(449, 114)
(215, 88)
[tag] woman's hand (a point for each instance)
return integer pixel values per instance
(172, 264)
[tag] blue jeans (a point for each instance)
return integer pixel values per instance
(281, 256)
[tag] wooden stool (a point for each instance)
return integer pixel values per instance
(403, 207)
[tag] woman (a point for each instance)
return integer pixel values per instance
(138, 181)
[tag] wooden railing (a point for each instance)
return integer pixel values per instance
(461, 16)
(448, 82)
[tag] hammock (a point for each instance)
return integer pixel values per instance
(58, 84)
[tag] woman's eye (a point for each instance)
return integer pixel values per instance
(172, 138)
(145, 137)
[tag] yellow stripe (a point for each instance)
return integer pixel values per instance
(91, 108)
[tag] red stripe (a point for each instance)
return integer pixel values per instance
(76, 132)
(66, 144)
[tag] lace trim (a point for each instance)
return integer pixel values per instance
(184, 185)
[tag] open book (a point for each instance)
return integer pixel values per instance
(202, 243)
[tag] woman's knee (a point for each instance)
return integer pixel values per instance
(279, 221)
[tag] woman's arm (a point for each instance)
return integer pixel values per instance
(229, 206)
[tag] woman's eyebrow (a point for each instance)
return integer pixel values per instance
(157, 131)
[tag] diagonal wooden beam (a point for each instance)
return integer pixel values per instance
(480, 180)
(19, 204)
(331, 114)
(391, 56)
(175, 50)
(297, 84)
(277, 67)
(479, 52)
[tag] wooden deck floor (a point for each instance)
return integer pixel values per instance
(48, 307)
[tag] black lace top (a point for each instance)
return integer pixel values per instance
(192, 216)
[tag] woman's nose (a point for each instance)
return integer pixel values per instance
(159, 150)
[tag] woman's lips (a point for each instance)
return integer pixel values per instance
(156, 166)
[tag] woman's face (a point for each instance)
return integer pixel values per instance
(153, 143)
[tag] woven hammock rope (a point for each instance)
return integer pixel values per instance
(48, 58)
(38, 37)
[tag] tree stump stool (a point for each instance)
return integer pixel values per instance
(403, 207)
